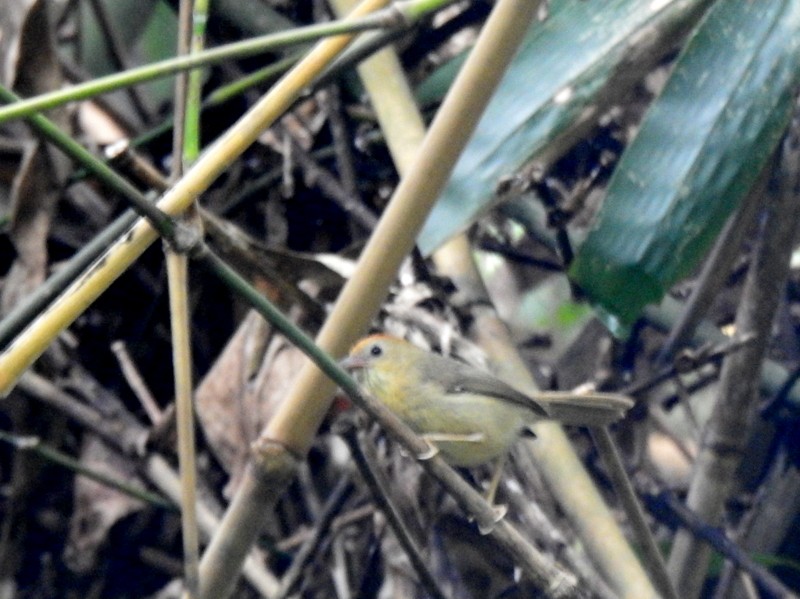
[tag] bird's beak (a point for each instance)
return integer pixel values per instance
(352, 363)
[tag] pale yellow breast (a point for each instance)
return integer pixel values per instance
(430, 412)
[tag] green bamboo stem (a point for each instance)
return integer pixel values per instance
(171, 66)
(401, 14)
(194, 99)
(97, 167)
(35, 445)
(254, 79)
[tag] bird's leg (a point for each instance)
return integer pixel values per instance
(432, 438)
(454, 437)
(494, 483)
(428, 453)
(499, 510)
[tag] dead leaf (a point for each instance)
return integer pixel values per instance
(97, 507)
(27, 38)
(220, 394)
(243, 389)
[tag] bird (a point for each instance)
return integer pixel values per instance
(467, 414)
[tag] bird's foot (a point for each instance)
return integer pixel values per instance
(428, 453)
(499, 512)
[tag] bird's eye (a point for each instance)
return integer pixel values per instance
(375, 350)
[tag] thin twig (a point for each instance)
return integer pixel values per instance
(339, 522)
(315, 174)
(124, 157)
(35, 445)
(717, 538)
(341, 140)
(136, 382)
(627, 496)
(124, 433)
(688, 361)
(366, 463)
(556, 219)
(515, 255)
(120, 430)
(341, 492)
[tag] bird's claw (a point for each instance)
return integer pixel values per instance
(500, 512)
(428, 453)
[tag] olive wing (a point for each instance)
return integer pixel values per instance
(584, 409)
(458, 377)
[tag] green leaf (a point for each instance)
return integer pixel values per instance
(569, 67)
(147, 32)
(700, 148)
(433, 89)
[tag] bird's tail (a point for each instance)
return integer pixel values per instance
(584, 409)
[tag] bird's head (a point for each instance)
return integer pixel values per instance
(378, 352)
